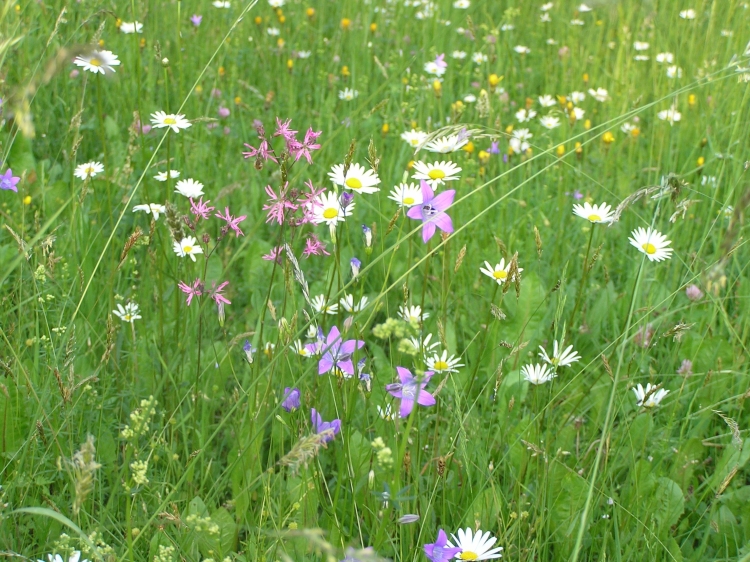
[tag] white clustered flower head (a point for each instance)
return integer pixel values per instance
(433, 68)
(600, 213)
(442, 363)
(583, 8)
(406, 194)
(304, 54)
(671, 115)
(479, 58)
(652, 243)
(470, 98)
(436, 173)
(222, 4)
(547, 101)
(98, 62)
(507, 27)
(320, 305)
(522, 49)
(545, 18)
(525, 115)
(445, 145)
(414, 137)
(162, 176)
(475, 546)
(577, 97)
(600, 94)
(273, 31)
(348, 94)
(499, 273)
(357, 178)
(549, 121)
(412, 313)
(576, 21)
(461, 4)
(88, 170)
(654, 396)
(188, 246)
(640, 46)
(665, 58)
(127, 314)
(674, 71)
(458, 55)
(131, 27)
(560, 357)
(537, 374)
(327, 209)
(189, 188)
(546, 7)
(688, 14)
(174, 121)
(153, 209)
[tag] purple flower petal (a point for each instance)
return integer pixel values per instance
(427, 193)
(325, 364)
(415, 212)
(443, 222)
(406, 407)
(428, 231)
(425, 398)
(444, 200)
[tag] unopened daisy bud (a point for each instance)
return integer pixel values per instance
(222, 316)
(165, 61)
(356, 264)
(371, 479)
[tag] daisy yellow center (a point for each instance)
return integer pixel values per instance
(468, 555)
(90, 170)
(95, 62)
(170, 121)
(354, 183)
(187, 249)
(330, 213)
(502, 274)
(595, 218)
(128, 317)
(436, 174)
(408, 200)
(442, 366)
(414, 142)
(649, 248)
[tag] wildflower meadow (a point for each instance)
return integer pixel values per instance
(370, 280)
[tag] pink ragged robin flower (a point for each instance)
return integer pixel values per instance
(274, 254)
(232, 222)
(200, 209)
(314, 246)
(216, 295)
(195, 290)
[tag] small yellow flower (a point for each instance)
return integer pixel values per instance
(569, 106)
(258, 20)
(237, 100)
(373, 27)
(468, 147)
(289, 64)
(199, 89)
(282, 18)
(385, 128)
(458, 106)
(509, 129)
(222, 72)
(101, 42)
(562, 100)
(586, 77)
(437, 87)
(560, 150)
(345, 71)
(481, 171)
(587, 124)
(27, 200)
(635, 132)
(280, 42)
(18, 8)
(494, 80)
(701, 161)
(143, 42)
(118, 23)
(579, 149)
(413, 124)
(691, 100)
(346, 23)
(608, 138)
(484, 156)
(310, 12)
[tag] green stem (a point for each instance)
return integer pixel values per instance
(579, 295)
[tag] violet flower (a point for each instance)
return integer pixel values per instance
(291, 399)
(439, 551)
(432, 211)
(219, 299)
(9, 181)
(411, 390)
(194, 290)
(314, 246)
(195, 19)
(338, 354)
(331, 428)
(249, 351)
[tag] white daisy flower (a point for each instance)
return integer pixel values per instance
(273, 31)
(436, 173)
(423, 345)
(88, 170)
(434, 68)
(444, 145)
(674, 72)
(222, 4)
(518, 146)
(414, 137)
(525, 115)
(549, 122)
(189, 188)
(162, 176)
(320, 305)
(153, 209)
(640, 46)
(479, 58)
(327, 209)
(172, 120)
(475, 546)
(576, 21)
(461, 4)
(98, 62)
(600, 94)
(348, 94)
(577, 113)
(641, 57)
(560, 357)
(460, 55)
(443, 363)
(304, 54)
(688, 14)
(127, 314)
(594, 213)
(412, 313)
(131, 27)
(671, 115)
(522, 49)
(547, 101)
(546, 7)
(652, 243)
(386, 412)
(406, 194)
(74, 557)
(470, 98)
(499, 273)
(507, 27)
(551, 41)
(583, 8)
(276, 3)
(299, 348)
(537, 374)
(667, 58)
(545, 18)
(577, 97)
(188, 246)
(650, 395)
(357, 178)
(348, 304)
(628, 128)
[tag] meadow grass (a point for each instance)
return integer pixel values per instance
(171, 436)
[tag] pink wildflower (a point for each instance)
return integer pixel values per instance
(264, 151)
(195, 290)
(232, 222)
(216, 293)
(200, 209)
(274, 254)
(314, 246)
(304, 148)
(278, 205)
(283, 130)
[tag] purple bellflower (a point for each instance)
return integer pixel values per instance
(439, 551)
(331, 428)
(337, 353)
(432, 211)
(291, 399)
(411, 390)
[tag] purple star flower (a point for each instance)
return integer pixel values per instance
(432, 211)
(291, 399)
(9, 181)
(438, 551)
(410, 390)
(338, 354)
(331, 428)
(195, 19)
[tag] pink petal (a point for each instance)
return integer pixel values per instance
(428, 231)
(443, 222)
(444, 200)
